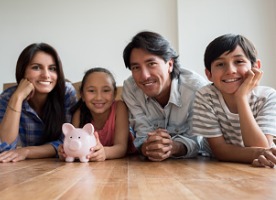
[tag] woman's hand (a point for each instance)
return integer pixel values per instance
(25, 90)
(14, 155)
(97, 152)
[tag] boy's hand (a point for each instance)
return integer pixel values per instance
(252, 79)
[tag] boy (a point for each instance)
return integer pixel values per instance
(237, 117)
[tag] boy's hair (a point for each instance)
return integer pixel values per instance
(228, 43)
(155, 44)
(53, 114)
(85, 114)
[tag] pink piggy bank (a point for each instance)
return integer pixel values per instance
(78, 141)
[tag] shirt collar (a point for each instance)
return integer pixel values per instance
(175, 96)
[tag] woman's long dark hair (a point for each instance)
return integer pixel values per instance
(85, 114)
(53, 113)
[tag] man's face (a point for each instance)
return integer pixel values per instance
(151, 73)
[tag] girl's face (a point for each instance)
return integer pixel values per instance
(42, 73)
(98, 92)
(229, 71)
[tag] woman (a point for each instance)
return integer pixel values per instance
(32, 113)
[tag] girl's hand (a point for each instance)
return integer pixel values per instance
(97, 152)
(268, 158)
(61, 153)
(14, 155)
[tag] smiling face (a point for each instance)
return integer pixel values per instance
(151, 74)
(229, 70)
(41, 72)
(98, 92)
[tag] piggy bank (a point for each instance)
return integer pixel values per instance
(78, 141)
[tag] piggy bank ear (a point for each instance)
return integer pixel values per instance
(89, 128)
(67, 127)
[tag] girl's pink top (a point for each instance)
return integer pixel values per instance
(107, 133)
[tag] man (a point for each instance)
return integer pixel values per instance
(159, 95)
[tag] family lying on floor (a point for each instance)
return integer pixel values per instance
(166, 111)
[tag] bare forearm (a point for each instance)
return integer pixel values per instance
(43, 151)
(238, 154)
(10, 124)
(251, 133)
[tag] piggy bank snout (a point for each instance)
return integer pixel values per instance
(75, 145)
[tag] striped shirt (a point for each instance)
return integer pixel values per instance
(212, 118)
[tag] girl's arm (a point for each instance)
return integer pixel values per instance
(233, 153)
(119, 148)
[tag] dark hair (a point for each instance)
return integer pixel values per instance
(85, 114)
(155, 44)
(228, 43)
(53, 114)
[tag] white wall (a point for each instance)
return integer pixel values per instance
(89, 33)
(201, 21)
(86, 33)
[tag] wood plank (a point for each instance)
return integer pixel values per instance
(135, 178)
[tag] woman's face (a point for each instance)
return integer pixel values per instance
(42, 73)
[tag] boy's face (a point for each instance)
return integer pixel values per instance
(229, 71)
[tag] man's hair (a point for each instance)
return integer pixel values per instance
(155, 44)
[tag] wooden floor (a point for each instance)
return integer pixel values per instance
(134, 178)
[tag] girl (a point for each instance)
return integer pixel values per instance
(109, 117)
(32, 113)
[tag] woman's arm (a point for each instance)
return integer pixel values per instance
(43, 151)
(10, 123)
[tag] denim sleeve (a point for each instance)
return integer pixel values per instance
(55, 144)
(6, 147)
(191, 143)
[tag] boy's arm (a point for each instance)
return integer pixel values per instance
(233, 153)
(251, 132)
